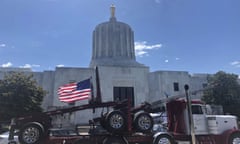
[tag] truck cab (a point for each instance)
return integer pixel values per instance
(211, 124)
(220, 129)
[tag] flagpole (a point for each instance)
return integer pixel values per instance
(98, 96)
(92, 93)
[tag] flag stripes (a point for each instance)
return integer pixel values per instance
(75, 91)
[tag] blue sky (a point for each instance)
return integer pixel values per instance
(198, 36)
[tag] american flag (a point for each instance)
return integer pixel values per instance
(75, 91)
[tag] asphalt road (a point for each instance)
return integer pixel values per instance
(4, 138)
(3, 141)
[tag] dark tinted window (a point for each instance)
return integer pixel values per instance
(123, 93)
(176, 86)
(197, 109)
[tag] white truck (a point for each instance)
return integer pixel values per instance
(189, 123)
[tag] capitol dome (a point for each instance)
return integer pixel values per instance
(113, 43)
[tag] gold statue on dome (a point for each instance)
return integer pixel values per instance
(112, 8)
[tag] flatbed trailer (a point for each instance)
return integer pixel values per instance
(119, 123)
(134, 138)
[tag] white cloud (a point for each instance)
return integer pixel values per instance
(235, 63)
(26, 66)
(2, 45)
(141, 48)
(35, 65)
(29, 66)
(166, 61)
(8, 64)
(177, 58)
(60, 65)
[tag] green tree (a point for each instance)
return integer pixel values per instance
(225, 91)
(19, 95)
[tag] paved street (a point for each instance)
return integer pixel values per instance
(4, 138)
(3, 141)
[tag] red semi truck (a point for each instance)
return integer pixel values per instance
(205, 129)
(188, 123)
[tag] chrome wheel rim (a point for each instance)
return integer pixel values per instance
(30, 135)
(164, 140)
(116, 121)
(236, 140)
(144, 122)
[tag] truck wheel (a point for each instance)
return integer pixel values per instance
(31, 133)
(143, 122)
(234, 138)
(163, 139)
(115, 122)
(114, 140)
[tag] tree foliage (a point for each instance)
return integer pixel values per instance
(19, 95)
(225, 91)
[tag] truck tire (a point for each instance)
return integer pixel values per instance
(234, 138)
(163, 139)
(31, 133)
(143, 122)
(115, 122)
(114, 140)
(103, 120)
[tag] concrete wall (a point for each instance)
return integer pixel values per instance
(198, 82)
(161, 84)
(66, 75)
(4, 71)
(46, 81)
(109, 77)
(136, 77)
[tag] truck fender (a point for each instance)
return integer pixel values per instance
(36, 123)
(228, 133)
(161, 133)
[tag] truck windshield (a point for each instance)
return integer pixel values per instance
(197, 109)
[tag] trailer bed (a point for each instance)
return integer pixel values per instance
(100, 138)
(87, 134)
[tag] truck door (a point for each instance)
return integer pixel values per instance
(199, 120)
